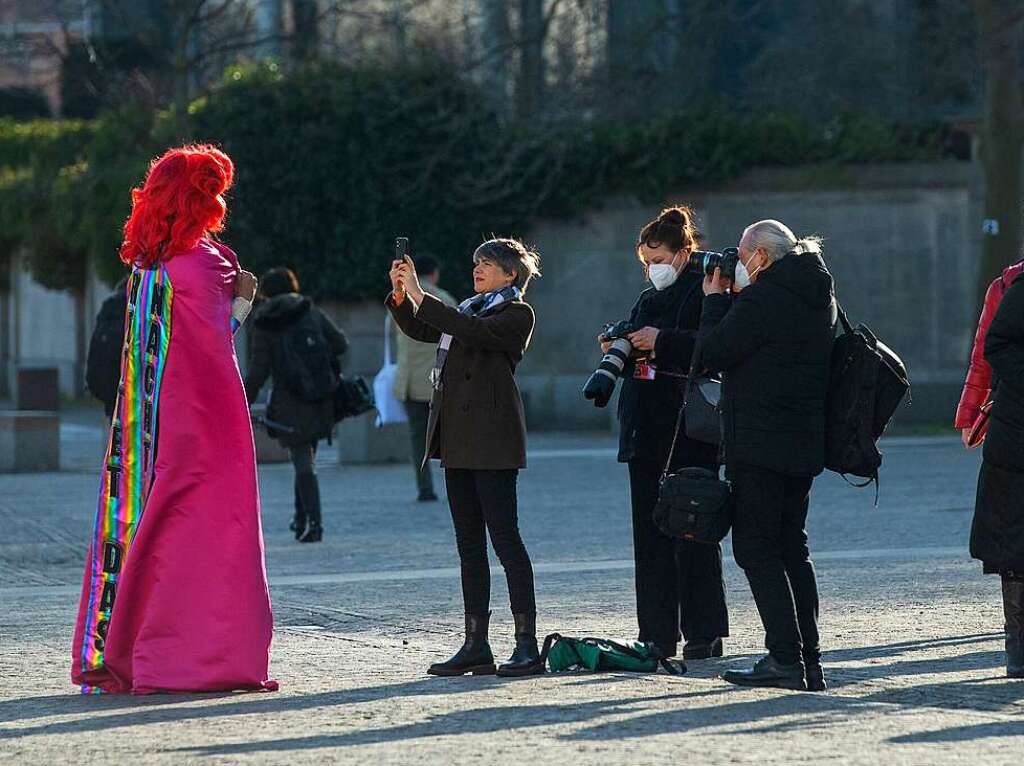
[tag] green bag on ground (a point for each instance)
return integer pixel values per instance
(563, 653)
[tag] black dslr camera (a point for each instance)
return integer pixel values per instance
(601, 385)
(706, 261)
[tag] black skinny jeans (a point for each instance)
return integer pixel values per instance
(482, 502)
(307, 501)
(769, 542)
(679, 584)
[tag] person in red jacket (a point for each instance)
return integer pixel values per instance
(978, 385)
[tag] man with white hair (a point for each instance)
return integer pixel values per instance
(772, 341)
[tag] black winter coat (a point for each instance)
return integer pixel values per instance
(773, 343)
(997, 533)
(271, 322)
(103, 366)
(648, 409)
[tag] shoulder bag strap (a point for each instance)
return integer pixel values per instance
(675, 435)
(843, 319)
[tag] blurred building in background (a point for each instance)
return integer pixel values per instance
(544, 57)
(901, 239)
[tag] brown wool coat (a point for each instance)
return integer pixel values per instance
(476, 419)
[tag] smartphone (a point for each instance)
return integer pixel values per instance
(401, 248)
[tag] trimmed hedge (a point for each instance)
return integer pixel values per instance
(333, 163)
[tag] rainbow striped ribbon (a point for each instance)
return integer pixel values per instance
(128, 468)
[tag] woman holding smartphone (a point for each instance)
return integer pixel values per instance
(478, 431)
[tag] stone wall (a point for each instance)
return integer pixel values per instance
(901, 241)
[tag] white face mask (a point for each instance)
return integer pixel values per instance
(662, 275)
(744, 277)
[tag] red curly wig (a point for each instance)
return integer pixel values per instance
(179, 203)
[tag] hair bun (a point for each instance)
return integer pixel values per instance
(673, 216)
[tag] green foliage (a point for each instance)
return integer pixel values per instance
(333, 163)
(32, 156)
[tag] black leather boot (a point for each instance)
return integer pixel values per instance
(702, 648)
(770, 672)
(525, 660)
(298, 525)
(309, 491)
(474, 657)
(1013, 609)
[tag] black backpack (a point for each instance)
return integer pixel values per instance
(308, 363)
(866, 383)
(103, 364)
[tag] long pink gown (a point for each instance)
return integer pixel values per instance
(192, 609)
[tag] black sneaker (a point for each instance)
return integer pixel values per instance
(771, 673)
(702, 648)
(426, 497)
(815, 677)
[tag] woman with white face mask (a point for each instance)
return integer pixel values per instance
(679, 588)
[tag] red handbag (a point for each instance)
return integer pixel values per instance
(980, 427)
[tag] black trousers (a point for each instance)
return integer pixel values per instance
(769, 541)
(679, 584)
(418, 413)
(307, 501)
(484, 502)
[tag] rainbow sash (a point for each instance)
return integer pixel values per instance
(128, 468)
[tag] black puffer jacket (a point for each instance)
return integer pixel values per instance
(997, 534)
(272, 322)
(648, 409)
(773, 343)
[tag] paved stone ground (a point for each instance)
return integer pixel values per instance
(910, 627)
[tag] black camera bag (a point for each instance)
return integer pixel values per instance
(867, 382)
(693, 503)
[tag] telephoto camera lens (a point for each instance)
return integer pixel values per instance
(706, 261)
(601, 385)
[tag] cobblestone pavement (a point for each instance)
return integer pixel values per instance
(910, 627)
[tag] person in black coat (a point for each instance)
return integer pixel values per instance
(292, 339)
(477, 428)
(772, 343)
(103, 365)
(680, 591)
(997, 532)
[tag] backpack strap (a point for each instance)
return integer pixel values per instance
(548, 641)
(672, 668)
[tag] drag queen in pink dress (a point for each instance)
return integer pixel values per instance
(175, 592)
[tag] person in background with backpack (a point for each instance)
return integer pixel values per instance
(412, 380)
(773, 342)
(103, 365)
(978, 384)
(295, 343)
(997, 531)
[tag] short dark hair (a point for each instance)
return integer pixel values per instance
(513, 257)
(426, 265)
(278, 281)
